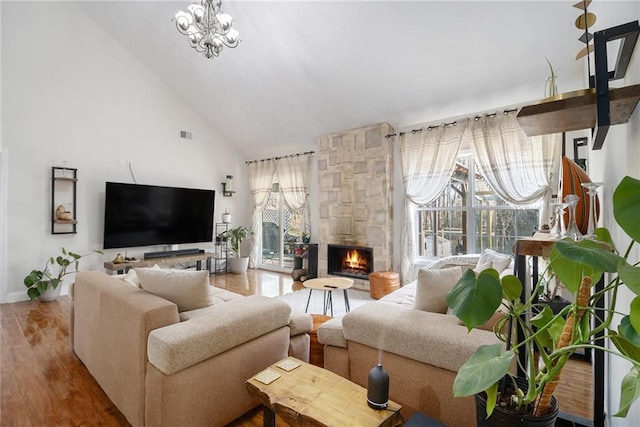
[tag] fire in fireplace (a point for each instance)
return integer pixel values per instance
(349, 261)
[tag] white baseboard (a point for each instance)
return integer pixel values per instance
(22, 295)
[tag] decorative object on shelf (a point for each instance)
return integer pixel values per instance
(558, 220)
(475, 299)
(227, 187)
(119, 259)
(572, 232)
(551, 86)
(306, 238)
(594, 207)
(226, 217)
(573, 176)
(207, 27)
(236, 236)
(63, 200)
(584, 21)
(46, 285)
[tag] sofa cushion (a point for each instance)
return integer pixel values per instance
(300, 323)
(433, 287)
(186, 289)
(498, 261)
(431, 338)
(176, 347)
(216, 296)
(330, 333)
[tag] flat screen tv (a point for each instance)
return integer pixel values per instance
(145, 215)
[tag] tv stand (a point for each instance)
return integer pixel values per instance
(164, 261)
(167, 254)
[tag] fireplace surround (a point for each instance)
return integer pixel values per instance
(355, 176)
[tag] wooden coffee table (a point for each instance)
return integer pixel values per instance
(329, 284)
(312, 396)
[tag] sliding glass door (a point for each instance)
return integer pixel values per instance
(281, 228)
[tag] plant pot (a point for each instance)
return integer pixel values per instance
(502, 417)
(239, 265)
(51, 294)
(226, 218)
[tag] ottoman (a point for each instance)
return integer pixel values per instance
(382, 283)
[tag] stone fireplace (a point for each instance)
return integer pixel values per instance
(355, 175)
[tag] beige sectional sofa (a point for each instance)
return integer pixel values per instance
(421, 350)
(162, 367)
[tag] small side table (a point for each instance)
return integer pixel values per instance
(316, 350)
(328, 284)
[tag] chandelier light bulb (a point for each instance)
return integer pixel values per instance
(207, 28)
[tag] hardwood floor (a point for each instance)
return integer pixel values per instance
(43, 383)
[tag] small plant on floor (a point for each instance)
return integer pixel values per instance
(38, 281)
(579, 265)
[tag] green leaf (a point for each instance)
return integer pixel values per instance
(590, 253)
(630, 276)
(634, 313)
(33, 293)
(627, 345)
(550, 328)
(75, 256)
(629, 392)
(626, 205)
(512, 287)
(485, 368)
(568, 272)
(492, 397)
(41, 287)
(474, 300)
(603, 235)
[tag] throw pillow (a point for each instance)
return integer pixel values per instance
(498, 261)
(187, 289)
(433, 286)
(132, 278)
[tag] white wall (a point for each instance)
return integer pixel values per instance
(620, 157)
(72, 94)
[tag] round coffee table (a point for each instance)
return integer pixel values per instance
(328, 284)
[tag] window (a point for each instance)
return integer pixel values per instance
(469, 216)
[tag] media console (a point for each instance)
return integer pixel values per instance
(163, 261)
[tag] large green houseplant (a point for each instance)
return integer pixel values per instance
(474, 299)
(39, 281)
(236, 236)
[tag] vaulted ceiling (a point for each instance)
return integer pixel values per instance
(309, 68)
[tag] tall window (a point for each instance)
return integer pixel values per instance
(280, 229)
(468, 217)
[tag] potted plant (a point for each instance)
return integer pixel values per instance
(474, 299)
(45, 284)
(238, 264)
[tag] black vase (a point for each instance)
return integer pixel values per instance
(502, 417)
(378, 388)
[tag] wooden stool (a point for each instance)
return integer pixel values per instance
(316, 351)
(382, 283)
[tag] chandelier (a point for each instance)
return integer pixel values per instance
(207, 27)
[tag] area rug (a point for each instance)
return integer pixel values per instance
(298, 301)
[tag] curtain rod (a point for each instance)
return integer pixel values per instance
(454, 123)
(306, 153)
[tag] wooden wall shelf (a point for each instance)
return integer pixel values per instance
(576, 111)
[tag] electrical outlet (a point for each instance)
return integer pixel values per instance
(122, 162)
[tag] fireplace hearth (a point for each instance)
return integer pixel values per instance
(349, 261)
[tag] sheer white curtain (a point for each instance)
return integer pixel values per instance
(293, 177)
(428, 159)
(520, 169)
(261, 175)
